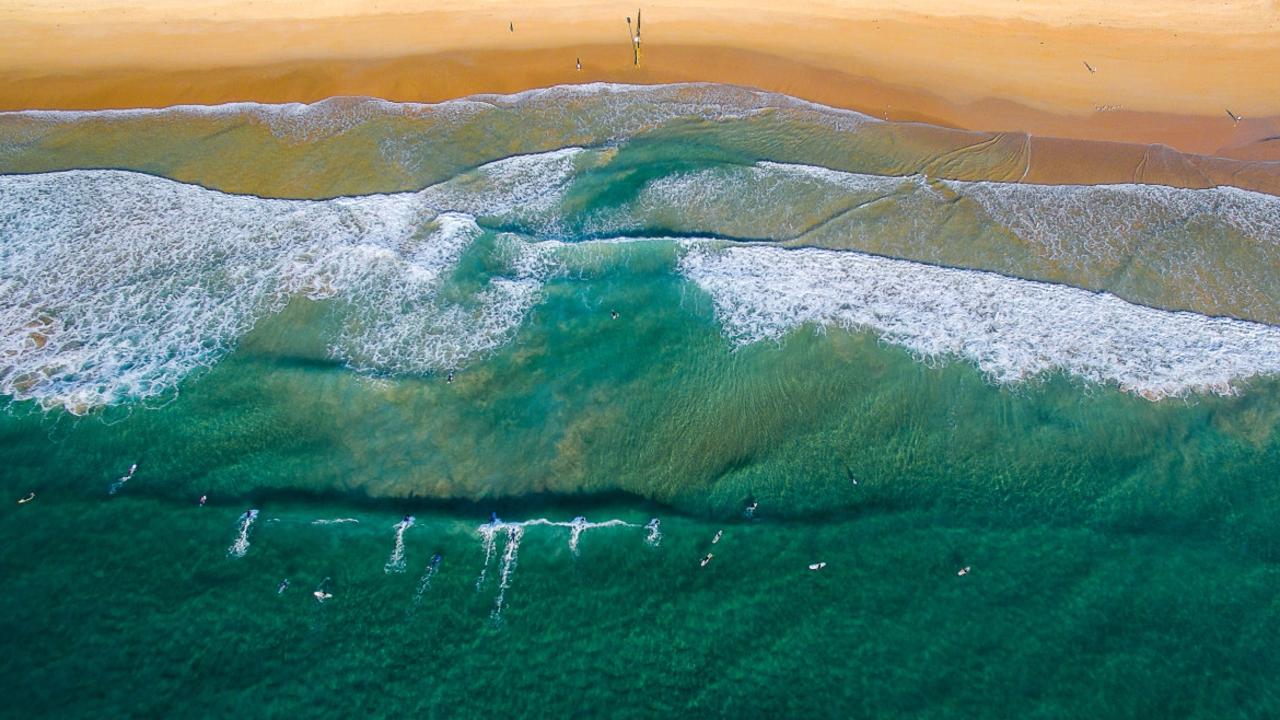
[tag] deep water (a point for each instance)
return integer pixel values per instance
(1032, 500)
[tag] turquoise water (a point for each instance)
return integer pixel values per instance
(820, 341)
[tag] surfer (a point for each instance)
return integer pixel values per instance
(449, 377)
(750, 512)
(321, 595)
(716, 539)
(203, 499)
(817, 566)
(435, 561)
(284, 585)
(30, 496)
(613, 314)
(706, 560)
(963, 571)
(119, 483)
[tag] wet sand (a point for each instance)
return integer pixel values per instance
(1166, 77)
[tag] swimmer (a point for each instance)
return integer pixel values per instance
(449, 378)
(716, 539)
(493, 518)
(963, 571)
(613, 314)
(706, 560)
(203, 499)
(750, 512)
(30, 496)
(408, 520)
(284, 585)
(435, 561)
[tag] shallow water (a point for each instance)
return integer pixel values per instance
(910, 376)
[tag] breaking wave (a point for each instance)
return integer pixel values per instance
(1012, 329)
(115, 286)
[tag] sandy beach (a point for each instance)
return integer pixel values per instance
(1144, 72)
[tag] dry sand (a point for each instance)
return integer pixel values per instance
(1166, 70)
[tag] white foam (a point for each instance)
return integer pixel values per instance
(598, 111)
(1072, 224)
(654, 538)
(514, 532)
(240, 545)
(1011, 329)
(115, 285)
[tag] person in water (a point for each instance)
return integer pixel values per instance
(284, 585)
(613, 314)
(203, 499)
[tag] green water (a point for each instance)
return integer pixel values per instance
(1122, 554)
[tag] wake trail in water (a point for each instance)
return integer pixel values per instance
(119, 483)
(424, 583)
(514, 532)
(509, 556)
(396, 563)
(241, 544)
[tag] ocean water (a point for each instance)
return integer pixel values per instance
(488, 381)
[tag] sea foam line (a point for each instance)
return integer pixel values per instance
(1012, 329)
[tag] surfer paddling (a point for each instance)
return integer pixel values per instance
(119, 483)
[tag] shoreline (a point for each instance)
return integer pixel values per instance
(1166, 78)
(464, 74)
(1003, 157)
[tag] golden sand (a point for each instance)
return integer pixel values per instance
(1163, 71)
